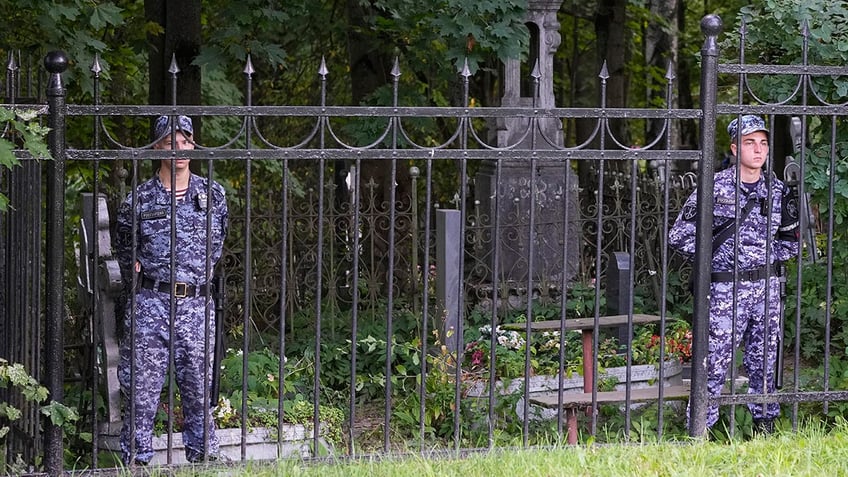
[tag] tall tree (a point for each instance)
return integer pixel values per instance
(613, 48)
(179, 37)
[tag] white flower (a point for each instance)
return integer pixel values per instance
(223, 409)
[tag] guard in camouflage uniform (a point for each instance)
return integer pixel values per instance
(757, 312)
(148, 330)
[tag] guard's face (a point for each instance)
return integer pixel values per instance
(183, 143)
(753, 150)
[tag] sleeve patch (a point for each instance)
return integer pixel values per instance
(689, 212)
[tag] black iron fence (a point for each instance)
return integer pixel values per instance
(352, 298)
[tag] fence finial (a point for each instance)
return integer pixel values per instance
(174, 69)
(12, 65)
(711, 26)
(396, 68)
(466, 71)
(669, 72)
(604, 74)
(248, 66)
(322, 70)
(96, 68)
(56, 63)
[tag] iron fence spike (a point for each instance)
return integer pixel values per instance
(396, 68)
(322, 70)
(96, 68)
(604, 75)
(174, 69)
(466, 71)
(248, 67)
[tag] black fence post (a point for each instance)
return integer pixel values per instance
(711, 26)
(56, 62)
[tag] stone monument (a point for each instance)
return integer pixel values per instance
(554, 188)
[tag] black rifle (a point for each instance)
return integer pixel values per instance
(792, 178)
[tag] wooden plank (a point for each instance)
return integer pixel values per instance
(583, 323)
(571, 399)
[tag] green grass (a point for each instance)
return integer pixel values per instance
(809, 452)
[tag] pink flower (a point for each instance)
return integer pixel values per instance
(477, 357)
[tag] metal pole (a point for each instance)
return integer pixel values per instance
(711, 26)
(56, 62)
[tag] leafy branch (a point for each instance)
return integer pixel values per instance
(16, 376)
(20, 131)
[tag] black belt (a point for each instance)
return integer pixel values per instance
(179, 289)
(747, 275)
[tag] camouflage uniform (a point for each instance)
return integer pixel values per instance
(193, 336)
(752, 309)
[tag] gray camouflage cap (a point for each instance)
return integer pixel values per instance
(163, 126)
(750, 124)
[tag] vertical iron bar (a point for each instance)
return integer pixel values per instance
(319, 283)
(390, 279)
(493, 323)
(666, 167)
(354, 230)
(566, 217)
(248, 272)
(133, 305)
(803, 225)
(56, 62)
(284, 270)
(172, 299)
(425, 306)
(631, 280)
(465, 126)
(599, 221)
(96, 305)
(531, 251)
(828, 314)
(711, 26)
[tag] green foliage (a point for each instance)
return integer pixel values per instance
(774, 37)
(472, 29)
(15, 376)
(21, 129)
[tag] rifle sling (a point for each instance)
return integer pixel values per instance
(726, 230)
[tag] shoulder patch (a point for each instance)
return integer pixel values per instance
(689, 212)
(791, 207)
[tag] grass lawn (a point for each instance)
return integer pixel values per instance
(809, 452)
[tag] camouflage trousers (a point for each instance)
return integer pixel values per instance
(753, 323)
(193, 352)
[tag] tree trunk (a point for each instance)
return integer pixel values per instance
(660, 52)
(688, 128)
(180, 20)
(611, 29)
(370, 68)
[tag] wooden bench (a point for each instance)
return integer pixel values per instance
(572, 401)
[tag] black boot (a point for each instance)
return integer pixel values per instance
(763, 427)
